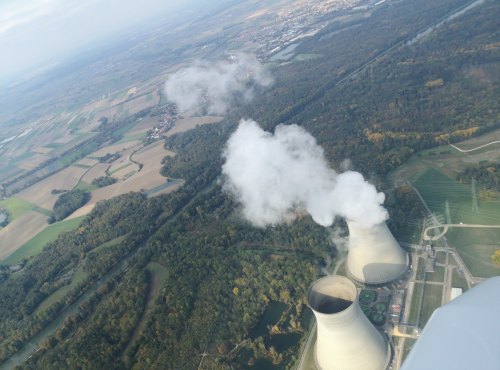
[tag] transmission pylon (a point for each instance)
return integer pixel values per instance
(475, 207)
(447, 211)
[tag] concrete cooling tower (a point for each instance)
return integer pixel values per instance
(346, 340)
(374, 256)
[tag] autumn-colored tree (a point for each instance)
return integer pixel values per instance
(495, 257)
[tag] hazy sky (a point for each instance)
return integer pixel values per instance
(35, 31)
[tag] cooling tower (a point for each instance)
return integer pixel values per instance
(346, 340)
(374, 256)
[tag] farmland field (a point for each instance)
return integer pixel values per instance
(82, 185)
(18, 232)
(87, 162)
(144, 125)
(432, 172)
(147, 178)
(96, 171)
(132, 137)
(437, 188)
(40, 192)
(16, 207)
(42, 150)
(186, 124)
(123, 161)
(125, 171)
(36, 244)
(152, 154)
(131, 106)
(114, 148)
(32, 162)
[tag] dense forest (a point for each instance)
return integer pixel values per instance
(103, 181)
(180, 278)
(486, 177)
(4, 217)
(67, 203)
(441, 89)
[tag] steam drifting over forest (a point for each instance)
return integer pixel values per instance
(276, 176)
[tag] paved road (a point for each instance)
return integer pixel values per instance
(471, 150)
(447, 226)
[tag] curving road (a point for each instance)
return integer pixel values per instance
(471, 150)
(447, 226)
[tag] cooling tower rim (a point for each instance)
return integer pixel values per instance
(404, 269)
(333, 278)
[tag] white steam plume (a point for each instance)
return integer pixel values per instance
(274, 176)
(216, 86)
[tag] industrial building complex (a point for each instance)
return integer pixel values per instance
(370, 312)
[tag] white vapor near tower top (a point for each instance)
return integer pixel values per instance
(276, 176)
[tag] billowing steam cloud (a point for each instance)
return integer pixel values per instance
(275, 176)
(216, 86)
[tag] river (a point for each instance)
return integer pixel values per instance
(449, 17)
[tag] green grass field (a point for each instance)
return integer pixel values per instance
(22, 157)
(441, 257)
(42, 211)
(111, 243)
(121, 168)
(437, 275)
(432, 300)
(36, 244)
(159, 274)
(70, 158)
(16, 207)
(415, 303)
(132, 137)
(77, 277)
(437, 188)
(79, 165)
(60, 293)
(82, 185)
(476, 247)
